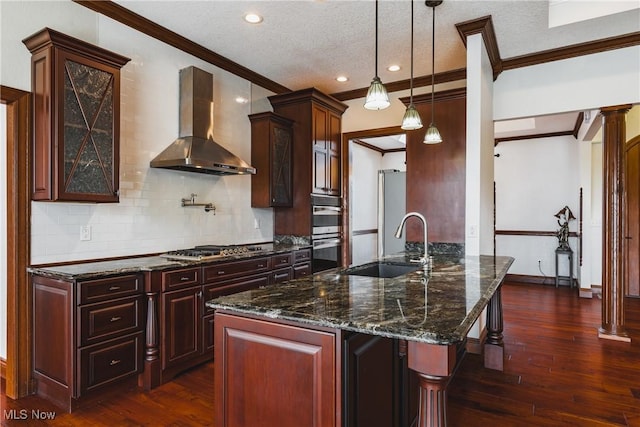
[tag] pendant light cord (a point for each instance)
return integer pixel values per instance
(376, 38)
(433, 59)
(411, 82)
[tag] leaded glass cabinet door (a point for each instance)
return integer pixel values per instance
(76, 106)
(88, 157)
(89, 167)
(281, 172)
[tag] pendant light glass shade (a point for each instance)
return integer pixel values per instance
(411, 119)
(377, 97)
(433, 134)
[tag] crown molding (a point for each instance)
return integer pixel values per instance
(483, 26)
(572, 51)
(158, 32)
(443, 77)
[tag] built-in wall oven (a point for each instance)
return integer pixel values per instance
(326, 238)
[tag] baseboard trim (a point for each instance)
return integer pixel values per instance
(537, 280)
(3, 368)
(475, 345)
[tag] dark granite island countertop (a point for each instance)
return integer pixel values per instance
(432, 311)
(438, 308)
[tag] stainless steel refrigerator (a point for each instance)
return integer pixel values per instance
(391, 208)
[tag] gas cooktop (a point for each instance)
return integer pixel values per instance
(204, 252)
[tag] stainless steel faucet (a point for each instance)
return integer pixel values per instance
(425, 260)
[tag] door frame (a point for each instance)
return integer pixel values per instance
(345, 179)
(19, 294)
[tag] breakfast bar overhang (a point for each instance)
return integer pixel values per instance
(278, 349)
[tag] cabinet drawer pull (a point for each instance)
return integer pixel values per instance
(260, 265)
(114, 288)
(199, 294)
(115, 318)
(114, 362)
(284, 261)
(184, 279)
(221, 272)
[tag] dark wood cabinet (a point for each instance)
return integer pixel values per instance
(87, 334)
(301, 263)
(379, 389)
(76, 115)
(271, 148)
(293, 385)
(181, 327)
(326, 152)
(317, 137)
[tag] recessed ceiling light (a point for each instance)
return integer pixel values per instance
(393, 67)
(241, 100)
(342, 79)
(253, 18)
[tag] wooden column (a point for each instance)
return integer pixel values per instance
(434, 365)
(151, 377)
(613, 140)
(494, 347)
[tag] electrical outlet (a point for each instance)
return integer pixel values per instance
(85, 232)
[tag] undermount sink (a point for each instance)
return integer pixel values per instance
(382, 269)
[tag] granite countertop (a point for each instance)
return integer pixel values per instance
(439, 307)
(89, 270)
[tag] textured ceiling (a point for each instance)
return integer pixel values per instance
(308, 43)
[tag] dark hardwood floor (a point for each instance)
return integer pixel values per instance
(557, 372)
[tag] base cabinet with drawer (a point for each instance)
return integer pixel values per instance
(179, 330)
(87, 335)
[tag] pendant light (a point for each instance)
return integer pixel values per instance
(433, 135)
(377, 97)
(411, 119)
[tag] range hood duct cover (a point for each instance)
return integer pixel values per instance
(195, 150)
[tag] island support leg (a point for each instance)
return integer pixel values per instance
(494, 347)
(434, 365)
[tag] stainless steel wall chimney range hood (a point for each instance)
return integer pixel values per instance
(195, 150)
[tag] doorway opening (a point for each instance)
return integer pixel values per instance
(367, 152)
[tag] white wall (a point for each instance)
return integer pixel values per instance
(595, 225)
(149, 217)
(3, 233)
(534, 180)
(575, 84)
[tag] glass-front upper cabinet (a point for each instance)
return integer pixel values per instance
(76, 113)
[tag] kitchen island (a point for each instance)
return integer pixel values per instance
(279, 349)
